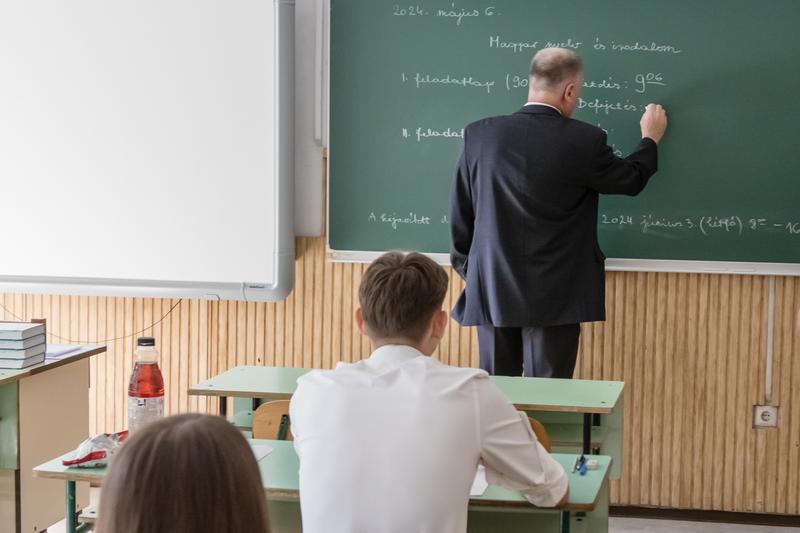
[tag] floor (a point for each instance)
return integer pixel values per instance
(640, 525)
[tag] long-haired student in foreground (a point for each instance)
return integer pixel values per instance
(184, 474)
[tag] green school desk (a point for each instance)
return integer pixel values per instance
(44, 411)
(497, 510)
(586, 412)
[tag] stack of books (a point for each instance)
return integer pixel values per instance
(22, 344)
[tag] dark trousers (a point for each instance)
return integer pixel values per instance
(542, 352)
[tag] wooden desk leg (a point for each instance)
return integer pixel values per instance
(565, 521)
(223, 406)
(587, 433)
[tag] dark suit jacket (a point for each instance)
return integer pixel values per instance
(524, 217)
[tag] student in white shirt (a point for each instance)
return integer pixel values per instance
(390, 444)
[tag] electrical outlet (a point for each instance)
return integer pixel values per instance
(765, 416)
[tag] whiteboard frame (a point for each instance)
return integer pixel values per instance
(282, 204)
(624, 265)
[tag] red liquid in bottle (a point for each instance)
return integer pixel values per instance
(146, 381)
(146, 387)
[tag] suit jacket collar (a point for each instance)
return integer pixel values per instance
(539, 110)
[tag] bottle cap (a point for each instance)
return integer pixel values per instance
(146, 341)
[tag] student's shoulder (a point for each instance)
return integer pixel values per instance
(455, 373)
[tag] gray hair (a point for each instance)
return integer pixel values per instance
(551, 67)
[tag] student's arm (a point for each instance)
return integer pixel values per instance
(511, 453)
(462, 215)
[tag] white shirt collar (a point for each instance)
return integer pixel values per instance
(541, 103)
(392, 355)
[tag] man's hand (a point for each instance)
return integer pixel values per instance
(654, 122)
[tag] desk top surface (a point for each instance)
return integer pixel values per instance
(279, 470)
(530, 394)
(8, 375)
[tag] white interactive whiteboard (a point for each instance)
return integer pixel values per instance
(146, 147)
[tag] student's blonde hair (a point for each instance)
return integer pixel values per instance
(184, 474)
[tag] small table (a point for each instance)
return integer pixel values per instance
(555, 401)
(496, 509)
(44, 411)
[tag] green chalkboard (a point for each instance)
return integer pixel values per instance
(406, 78)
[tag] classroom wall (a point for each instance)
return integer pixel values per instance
(690, 348)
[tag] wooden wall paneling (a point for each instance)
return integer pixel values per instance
(455, 347)
(700, 429)
(668, 363)
(277, 348)
(237, 321)
(72, 314)
(241, 355)
(312, 328)
(286, 354)
(299, 301)
(204, 343)
(676, 367)
(448, 351)
(781, 386)
(164, 346)
(325, 313)
(123, 371)
(752, 393)
(358, 338)
(250, 333)
(634, 386)
(741, 309)
(751, 351)
(337, 315)
(761, 444)
(98, 407)
(193, 355)
(646, 406)
(260, 321)
(347, 305)
(319, 334)
(626, 308)
(222, 337)
(184, 356)
(793, 427)
(445, 343)
(720, 375)
(116, 414)
(786, 393)
(92, 332)
(354, 333)
(269, 335)
(691, 311)
(304, 311)
(660, 357)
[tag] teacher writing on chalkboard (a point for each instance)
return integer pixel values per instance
(524, 221)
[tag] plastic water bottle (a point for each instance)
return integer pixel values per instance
(146, 388)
